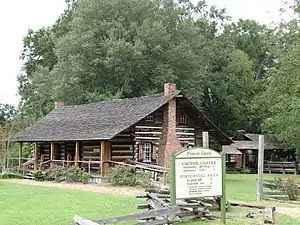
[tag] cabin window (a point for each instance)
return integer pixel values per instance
(149, 118)
(182, 118)
(147, 151)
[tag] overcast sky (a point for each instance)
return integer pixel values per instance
(16, 16)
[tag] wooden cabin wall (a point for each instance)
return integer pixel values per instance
(199, 124)
(122, 146)
(151, 131)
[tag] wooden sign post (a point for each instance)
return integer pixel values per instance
(260, 169)
(198, 172)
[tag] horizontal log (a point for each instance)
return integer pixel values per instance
(155, 222)
(142, 206)
(121, 146)
(281, 201)
(186, 139)
(273, 193)
(244, 204)
(121, 157)
(140, 216)
(121, 151)
(147, 138)
(81, 221)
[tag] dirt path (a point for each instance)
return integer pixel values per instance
(294, 212)
(101, 188)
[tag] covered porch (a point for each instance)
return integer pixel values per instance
(93, 157)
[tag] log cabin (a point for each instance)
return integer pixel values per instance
(245, 150)
(145, 129)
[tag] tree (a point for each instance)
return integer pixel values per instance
(39, 58)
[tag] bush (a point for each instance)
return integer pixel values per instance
(289, 187)
(144, 180)
(121, 175)
(10, 176)
(38, 175)
(246, 171)
(60, 173)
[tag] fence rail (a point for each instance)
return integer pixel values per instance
(280, 167)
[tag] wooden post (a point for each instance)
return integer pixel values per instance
(173, 181)
(205, 139)
(269, 215)
(223, 198)
(76, 153)
(35, 149)
(260, 168)
(5, 154)
(102, 152)
(51, 153)
(20, 156)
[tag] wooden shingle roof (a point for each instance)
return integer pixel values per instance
(94, 121)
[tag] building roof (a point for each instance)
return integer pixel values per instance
(95, 121)
(231, 150)
(251, 141)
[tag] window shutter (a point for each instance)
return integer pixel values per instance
(140, 150)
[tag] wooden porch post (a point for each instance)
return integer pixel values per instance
(20, 156)
(35, 148)
(6, 154)
(76, 153)
(102, 152)
(51, 153)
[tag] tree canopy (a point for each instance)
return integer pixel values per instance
(244, 75)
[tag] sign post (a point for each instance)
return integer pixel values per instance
(196, 173)
(260, 168)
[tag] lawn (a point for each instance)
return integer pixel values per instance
(27, 205)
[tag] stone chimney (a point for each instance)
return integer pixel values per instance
(59, 104)
(169, 141)
(169, 88)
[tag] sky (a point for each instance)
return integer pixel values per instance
(16, 16)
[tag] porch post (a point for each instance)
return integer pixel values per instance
(51, 153)
(102, 153)
(35, 149)
(6, 154)
(20, 156)
(107, 157)
(76, 153)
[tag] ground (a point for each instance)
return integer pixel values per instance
(45, 203)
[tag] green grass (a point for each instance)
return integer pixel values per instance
(26, 205)
(242, 187)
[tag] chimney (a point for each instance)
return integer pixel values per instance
(240, 134)
(169, 141)
(169, 88)
(59, 104)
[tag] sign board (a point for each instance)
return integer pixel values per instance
(198, 173)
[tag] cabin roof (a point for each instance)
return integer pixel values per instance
(251, 141)
(97, 121)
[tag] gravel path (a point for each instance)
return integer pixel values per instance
(101, 188)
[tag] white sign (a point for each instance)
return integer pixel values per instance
(198, 173)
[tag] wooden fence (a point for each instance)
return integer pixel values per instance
(271, 192)
(280, 167)
(159, 211)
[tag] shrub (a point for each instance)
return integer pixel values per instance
(60, 173)
(144, 180)
(246, 171)
(10, 176)
(121, 175)
(289, 187)
(38, 175)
